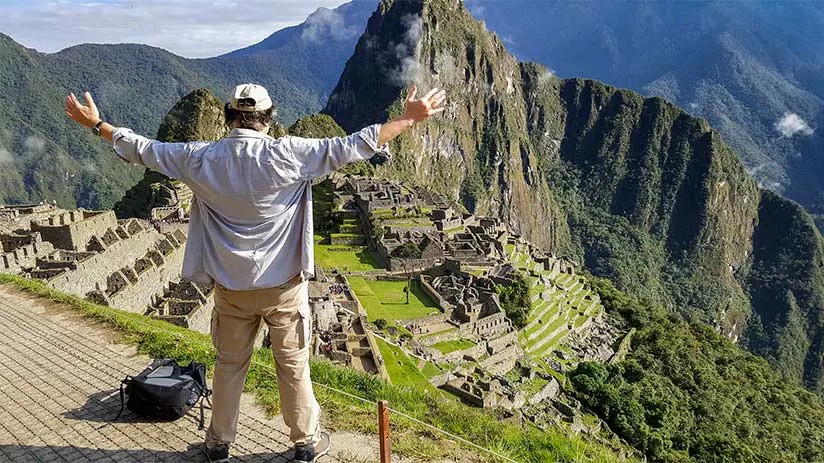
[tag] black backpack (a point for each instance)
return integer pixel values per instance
(165, 390)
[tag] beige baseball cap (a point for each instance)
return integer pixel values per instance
(250, 97)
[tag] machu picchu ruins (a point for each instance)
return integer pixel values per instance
(401, 272)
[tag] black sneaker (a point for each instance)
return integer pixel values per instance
(218, 453)
(310, 453)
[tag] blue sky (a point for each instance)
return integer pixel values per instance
(191, 28)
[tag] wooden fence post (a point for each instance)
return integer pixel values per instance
(383, 431)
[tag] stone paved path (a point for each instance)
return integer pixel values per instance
(58, 396)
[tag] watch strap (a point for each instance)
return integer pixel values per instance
(96, 128)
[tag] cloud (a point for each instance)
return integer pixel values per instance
(791, 124)
(546, 76)
(475, 8)
(5, 156)
(326, 24)
(409, 70)
(191, 28)
(34, 144)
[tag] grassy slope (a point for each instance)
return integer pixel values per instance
(162, 339)
(451, 346)
(387, 299)
(347, 258)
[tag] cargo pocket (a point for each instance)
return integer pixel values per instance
(305, 327)
(286, 332)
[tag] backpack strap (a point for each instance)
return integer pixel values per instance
(204, 396)
(123, 385)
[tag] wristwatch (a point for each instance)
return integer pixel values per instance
(96, 128)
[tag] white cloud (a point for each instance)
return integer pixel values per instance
(34, 144)
(191, 28)
(546, 76)
(326, 24)
(508, 40)
(475, 8)
(409, 70)
(792, 124)
(5, 156)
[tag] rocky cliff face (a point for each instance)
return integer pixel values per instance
(479, 151)
(639, 190)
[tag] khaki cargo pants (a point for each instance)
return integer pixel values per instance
(235, 322)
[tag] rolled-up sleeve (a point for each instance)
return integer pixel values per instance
(316, 157)
(170, 159)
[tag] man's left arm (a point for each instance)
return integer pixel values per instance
(169, 159)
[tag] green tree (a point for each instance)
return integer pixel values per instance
(514, 300)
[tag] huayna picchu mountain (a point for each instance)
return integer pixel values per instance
(637, 189)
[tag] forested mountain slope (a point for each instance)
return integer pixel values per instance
(754, 69)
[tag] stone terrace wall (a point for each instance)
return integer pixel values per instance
(73, 230)
(91, 274)
(199, 319)
(503, 361)
(23, 257)
(136, 296)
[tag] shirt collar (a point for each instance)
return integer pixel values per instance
(246, 133)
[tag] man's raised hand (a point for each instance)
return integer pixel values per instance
(420, 109)
(86, 115)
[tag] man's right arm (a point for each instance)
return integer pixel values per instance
(169, 159)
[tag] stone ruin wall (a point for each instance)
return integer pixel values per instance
(72, 230)
(503, 361)
(198, 319)
(24, 256)
(92, 273)
(133, 288)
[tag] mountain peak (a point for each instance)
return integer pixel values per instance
(476, 150)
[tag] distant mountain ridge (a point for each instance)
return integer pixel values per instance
(745, 66)
(45, 157)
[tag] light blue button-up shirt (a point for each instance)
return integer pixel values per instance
(250, 223)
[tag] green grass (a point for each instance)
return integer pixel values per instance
(430, 370)
(534, 385)
(351, 258)
(509, 249)
(346, 235)
(387, 299)
(437, 333)
(451, 346)
(402, 369)
(525, 444)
